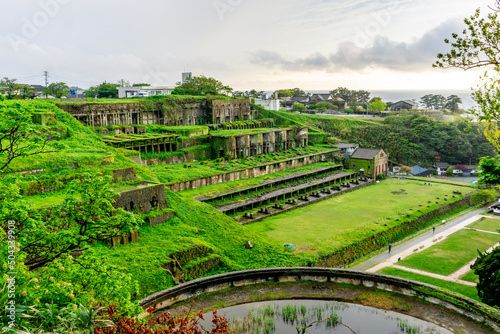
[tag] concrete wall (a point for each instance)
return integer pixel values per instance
(253, 172)
(143, 200)
(146, 112)
(332, 278)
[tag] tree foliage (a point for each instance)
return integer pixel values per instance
(57, 89)
(434, 101)
(351, 97)
(298, 107)
(9, 87)
(104, 90)
(477, 46)
(86, 216)
(490, 170)
(19, 137)
(294, 92)
(487, 267)
(201, 85)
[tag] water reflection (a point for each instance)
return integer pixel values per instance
(317, 317)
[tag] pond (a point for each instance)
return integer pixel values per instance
(318, 317)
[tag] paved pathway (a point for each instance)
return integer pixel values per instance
(426, 273)
(419, 243)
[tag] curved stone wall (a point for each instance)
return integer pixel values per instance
(428, 293)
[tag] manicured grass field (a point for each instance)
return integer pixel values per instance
(487, 224)
(344, 219)
(465, 290)
(453, 253)
(470, 277)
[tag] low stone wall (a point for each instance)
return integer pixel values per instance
(257, 171)
(335, 278)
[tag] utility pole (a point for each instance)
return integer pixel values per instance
(46, 74)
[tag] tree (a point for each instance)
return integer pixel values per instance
(452, 103)
(490, 170)
(345, 94)
(86, 216)
(405, 169)
(201, 86)
(57, 89)
(449, 171)
(104, 90)
(26, 91)
(433, 101)
(9, 87)
(324, 105)
(141, 85)
(478, 46)
(298, 107)
(18, 135)
(487, 267)
(362, 96)
(123, 83)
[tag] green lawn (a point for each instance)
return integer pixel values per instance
(465, 290)
(344, 219)
(470, 277)
(453, 253)
(487, 224)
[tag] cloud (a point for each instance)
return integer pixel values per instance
(363, 52)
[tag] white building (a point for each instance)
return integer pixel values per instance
(268, 104)
(124, 92)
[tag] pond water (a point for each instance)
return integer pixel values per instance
(291, 316)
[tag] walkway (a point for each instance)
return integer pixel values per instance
(420, 242)
(423, 242)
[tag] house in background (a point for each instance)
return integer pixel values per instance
(421, 171)
(441, 167)
(124, 92)
(374, 161)
(346, 149)
(403, 105)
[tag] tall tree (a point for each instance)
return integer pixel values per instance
(18, 135)
(478, 46)
(201, 85)
(26, 91)
(104, 90)
(86, 216)
(452, 103)
(9, 87)
(345, 94)
(487, 267)
(57, 89)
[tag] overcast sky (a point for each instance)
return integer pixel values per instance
(266, 45)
